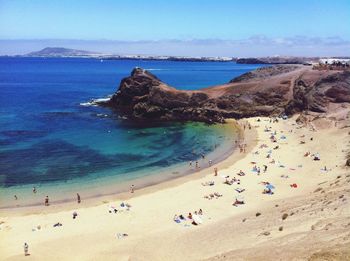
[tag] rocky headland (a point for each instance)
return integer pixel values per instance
(268, 91)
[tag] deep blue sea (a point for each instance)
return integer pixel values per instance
(48, 140)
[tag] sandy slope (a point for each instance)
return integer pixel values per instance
(318, 211)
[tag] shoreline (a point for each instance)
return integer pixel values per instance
(223, 162)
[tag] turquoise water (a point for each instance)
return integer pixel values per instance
(49, 141)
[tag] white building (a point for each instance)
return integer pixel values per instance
(331, 61)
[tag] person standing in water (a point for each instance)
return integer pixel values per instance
(132, 189)
(47, 201)
(26, 249)
(34, 190)
(78, 198)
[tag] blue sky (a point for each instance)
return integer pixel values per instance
(199, 27)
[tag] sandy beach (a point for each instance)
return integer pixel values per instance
(305, 214)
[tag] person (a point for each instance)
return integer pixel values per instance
(75, 214)
(190, 163)
(190, 215)
(238, 202)
(47, 201)
(265, 168)
(267, 190)
(78, 198)
(34, 189)
(215, 171)
(200, 212)
(15, 197)
(197, 164)
(26, 247)
(241, 173)
(132, 189)
(177, 219)
(317, 156)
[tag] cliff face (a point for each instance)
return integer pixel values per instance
(267, 91)
(315, 90)
(143, 96)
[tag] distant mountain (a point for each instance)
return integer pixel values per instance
(60, 52)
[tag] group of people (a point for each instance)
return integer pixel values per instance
(232, 181)
(213, 195)
(46, 200)
(242, 147)
(194, 218)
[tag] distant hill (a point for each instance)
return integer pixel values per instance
(60, 51)
(66, 52)
(277, 60)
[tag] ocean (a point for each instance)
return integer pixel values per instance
(48, 140)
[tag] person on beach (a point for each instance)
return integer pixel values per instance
(47, 201)
(15, 196)
(215, 171)
(265, 168)
(176, 219)
(132, 189)
(78, 198)
(26, 247)
(34, 190)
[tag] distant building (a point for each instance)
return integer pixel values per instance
(335, 61)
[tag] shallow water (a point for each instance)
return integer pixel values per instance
(49, 141)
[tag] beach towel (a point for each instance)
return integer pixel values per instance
(197, 219)
(240, 190)
(121, 235)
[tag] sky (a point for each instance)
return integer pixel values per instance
(183, 27)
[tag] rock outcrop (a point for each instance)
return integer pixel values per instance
(267, 91)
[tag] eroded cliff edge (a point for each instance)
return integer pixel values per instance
(266, 91)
